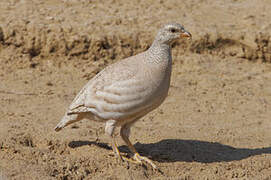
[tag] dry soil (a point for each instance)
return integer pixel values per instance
(215, 123)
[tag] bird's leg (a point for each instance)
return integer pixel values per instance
(115, 148)
(124, 132)
(109, 129)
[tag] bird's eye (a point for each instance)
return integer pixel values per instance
(173, 30)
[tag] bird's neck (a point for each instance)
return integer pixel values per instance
(160, 53)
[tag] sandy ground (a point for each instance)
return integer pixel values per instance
(215, 123)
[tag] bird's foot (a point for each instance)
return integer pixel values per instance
(123, 158)
(139, 160)
(136, 159)
(119, 156)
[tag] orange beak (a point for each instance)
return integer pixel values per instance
(186, 35)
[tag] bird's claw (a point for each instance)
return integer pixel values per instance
(131, 160)
(138, 159)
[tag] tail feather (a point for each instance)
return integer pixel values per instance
(66, 120)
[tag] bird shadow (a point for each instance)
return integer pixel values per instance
(174, 150)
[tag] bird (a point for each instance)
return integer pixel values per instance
(127, 90)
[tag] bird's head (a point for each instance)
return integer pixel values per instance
(171, 32)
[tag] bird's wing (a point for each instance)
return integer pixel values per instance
(118, 100)
(117, 90)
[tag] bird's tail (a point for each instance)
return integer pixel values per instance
(66, 120)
